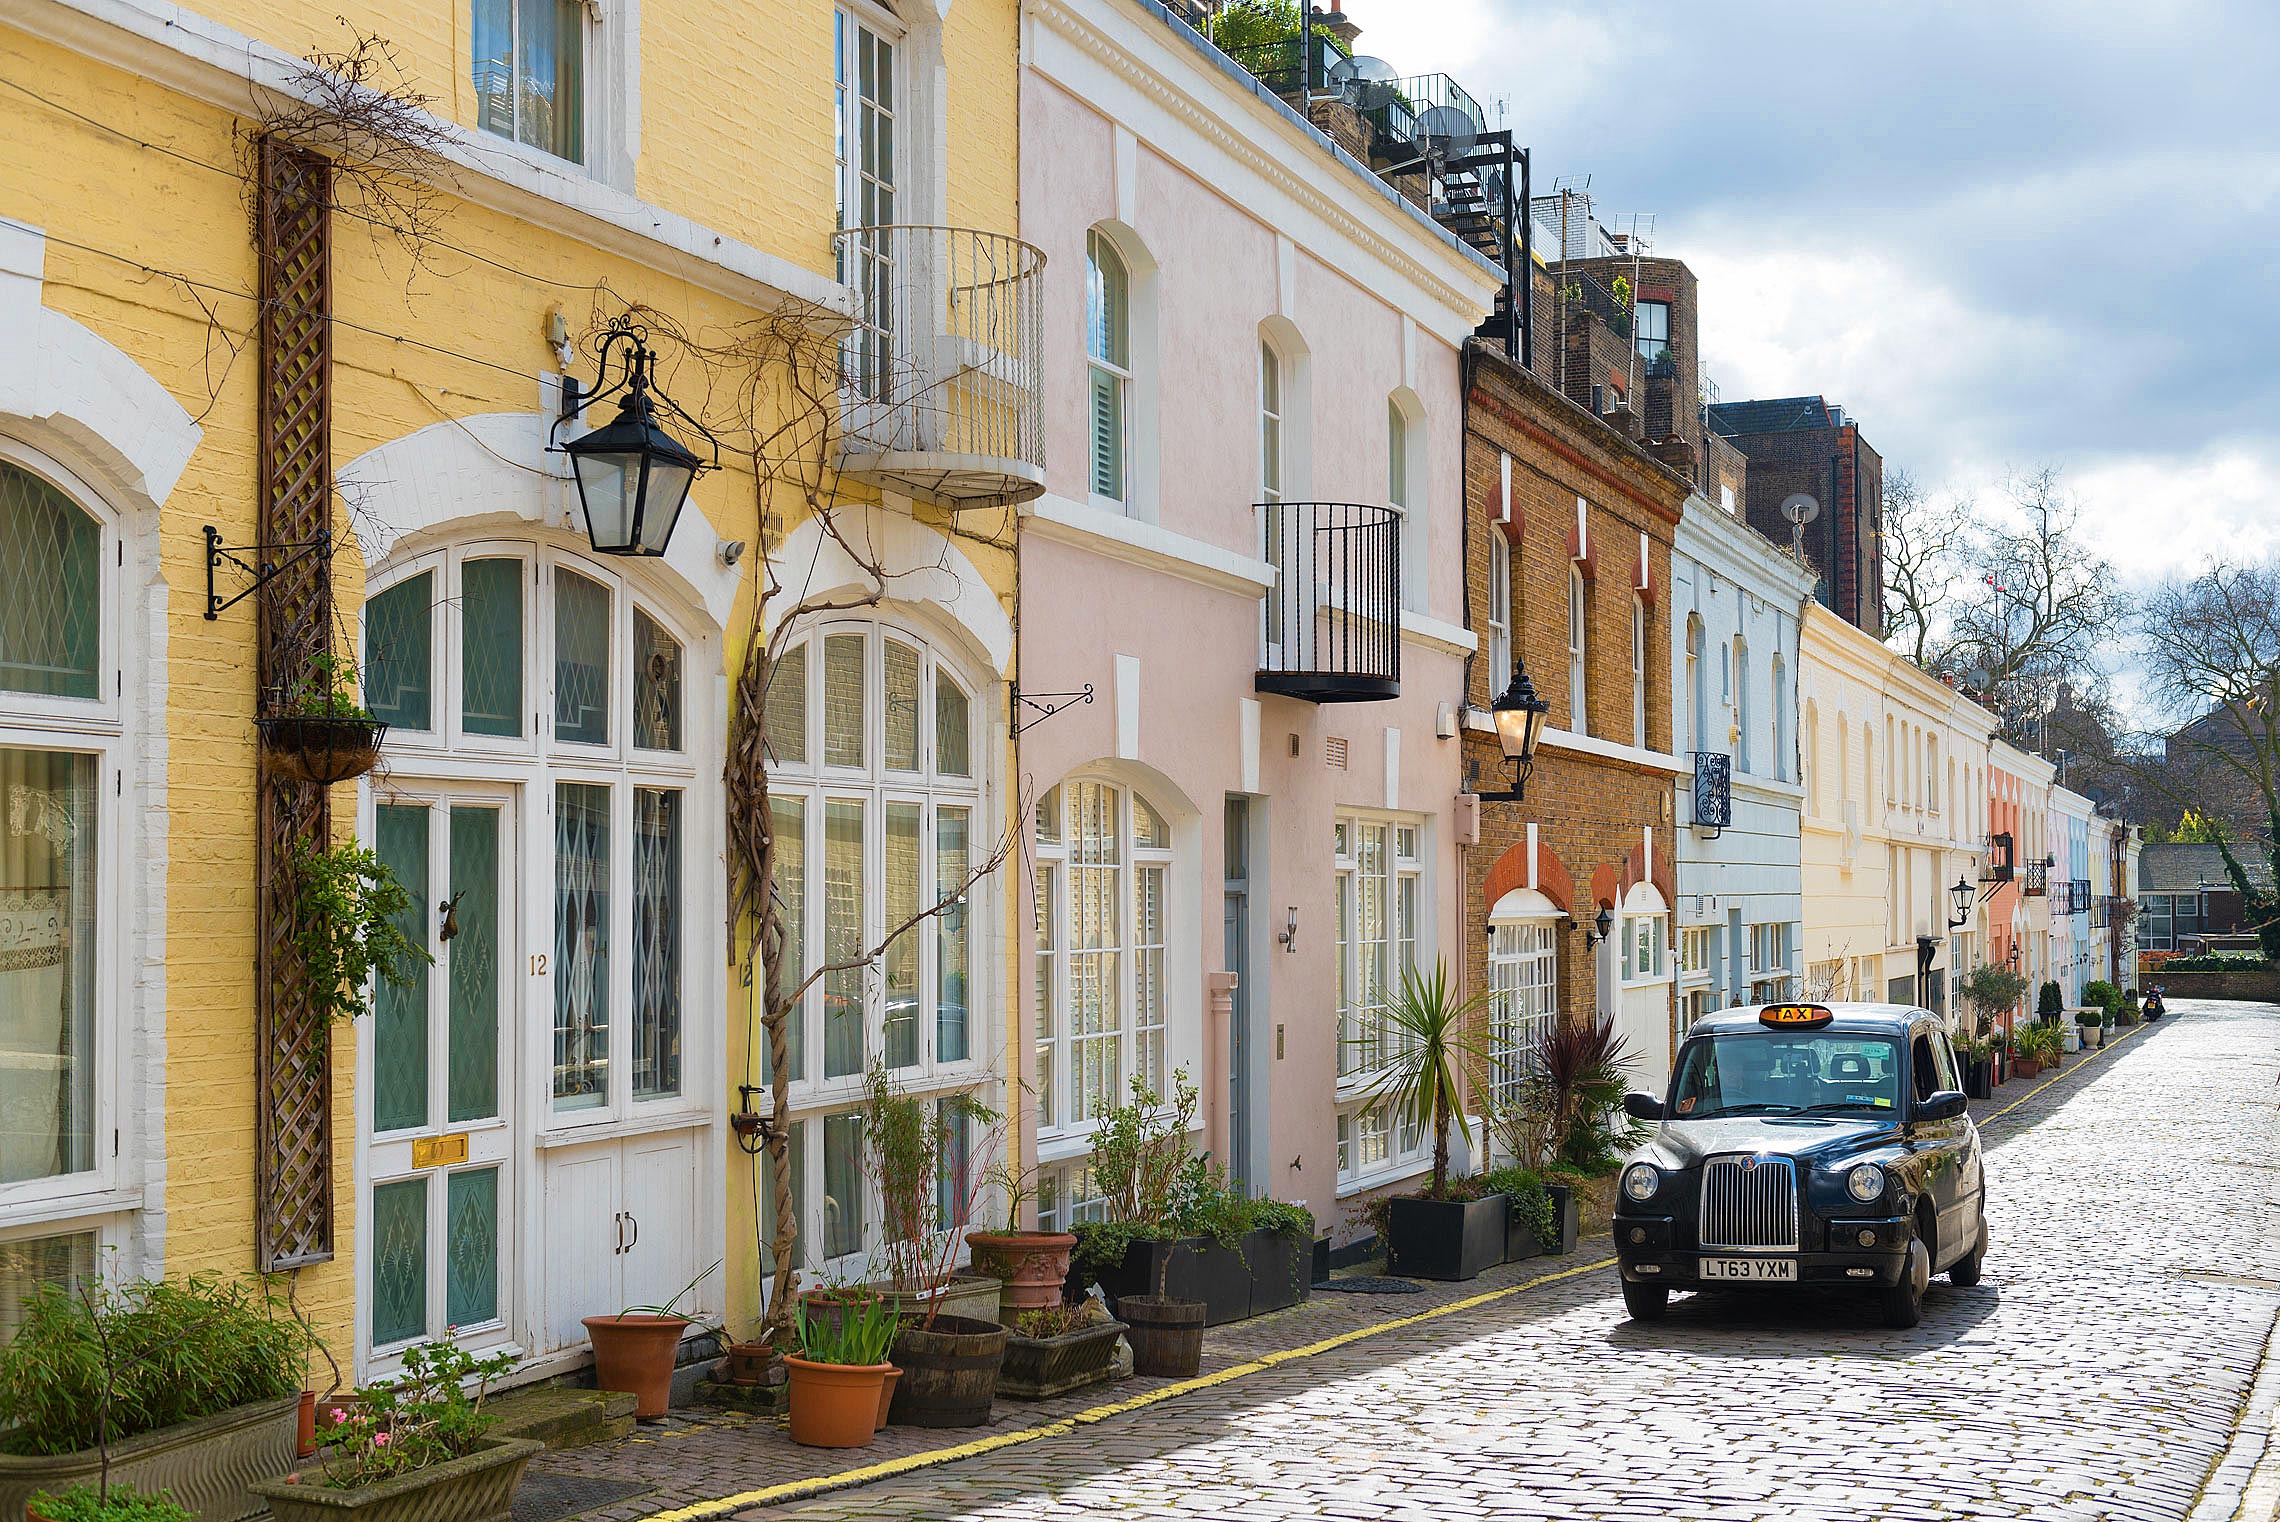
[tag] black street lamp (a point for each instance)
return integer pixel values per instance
(633, 476)
(1519, 716)
(1966, 898)
(1602, 924)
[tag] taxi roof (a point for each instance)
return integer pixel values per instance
(1884, 1019)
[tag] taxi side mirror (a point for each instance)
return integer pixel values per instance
(1947, 1104)
(1642, 1106)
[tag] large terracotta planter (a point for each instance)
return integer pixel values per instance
(635, 1352)
(887, 1395)
(834, 1405)
(949, 1371)
(210, 1465)
(1033, 1264)
(477, 1488)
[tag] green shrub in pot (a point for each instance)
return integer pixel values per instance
(96, 1503)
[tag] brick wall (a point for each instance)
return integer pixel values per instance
(1841, 472)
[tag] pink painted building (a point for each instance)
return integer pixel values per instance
(1250, 551)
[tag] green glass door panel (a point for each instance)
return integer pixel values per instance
(400, 1010)
(472, 1083)
(399, 1261)
(471, 1268)
(581, 946)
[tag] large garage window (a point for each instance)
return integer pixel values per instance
(1381, 909)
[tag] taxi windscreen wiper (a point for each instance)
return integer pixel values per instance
(1752, 1109)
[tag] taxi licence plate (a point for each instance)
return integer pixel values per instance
(1750, 1270)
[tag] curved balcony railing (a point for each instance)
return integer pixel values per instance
(1333, 616)
(939, 375)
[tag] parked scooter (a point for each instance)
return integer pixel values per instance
(2153, 1008)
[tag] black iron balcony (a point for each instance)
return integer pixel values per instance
(2038, 879)
(1713, 790)
(1393, 107)
(1277, 64)
(1333, 616)
(2079, 900)
(2000, 859)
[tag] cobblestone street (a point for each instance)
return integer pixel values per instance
(2099, 1371)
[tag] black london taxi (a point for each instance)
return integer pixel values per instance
(1815, 1144)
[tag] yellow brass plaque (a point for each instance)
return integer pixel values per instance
(439, 1151)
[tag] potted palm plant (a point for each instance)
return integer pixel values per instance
(1436, 1235)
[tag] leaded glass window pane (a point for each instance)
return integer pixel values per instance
(581, 946)
(785, 709)
(656, 942)
(842, 1185)
(51, 590)
(904, 893)
(399, 654)
(29, 1263)
(1148, 975)
(790, 816)
(472, 1085)
(901, 718)
(953, 750)
(491, 647)
(471, 1269)
(48, 907)
(656, 685)
(399, 1261)
(843, 699)
(1048, 911)
(581, 660)
(400, 1010)
(1096, 1008)
(952, 853)
(843, 938)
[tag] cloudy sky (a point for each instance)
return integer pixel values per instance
(2001, 234)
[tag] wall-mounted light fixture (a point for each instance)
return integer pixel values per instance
(1288, 935)
(1519, 716)
(1602, 925)
(633, 476)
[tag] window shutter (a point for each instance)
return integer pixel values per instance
(1107, 436)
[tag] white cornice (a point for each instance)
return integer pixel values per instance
(1061, 520)
(1589, 745)
(1260, 142)
(202, 59)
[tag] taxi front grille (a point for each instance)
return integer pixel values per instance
(1749, 1202)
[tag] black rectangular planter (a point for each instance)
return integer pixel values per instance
(1566, 1211)
(1264, 1271)
(1444, 1239)
(1979, 1078)
(1520, 1243)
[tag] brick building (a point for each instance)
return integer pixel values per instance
(1568, 551)
(1804, 444)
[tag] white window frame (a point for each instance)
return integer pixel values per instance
(1697, 697)
(1524, 991)
(1743, 718)
(1365, 1115)
(1645, 954)
(1064, 1133)
(1119, 376)
(850, 21)
(1274, 422)
(1499, 611)
(1783, 746)
(1639, 671)
(104, 727)
(594, 86)
(1773, 953)
(1405, 490)
(1579, 653)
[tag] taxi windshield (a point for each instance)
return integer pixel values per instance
(1773, 1072)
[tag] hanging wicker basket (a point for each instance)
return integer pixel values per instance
(322, 750)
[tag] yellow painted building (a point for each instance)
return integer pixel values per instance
(538, 1129)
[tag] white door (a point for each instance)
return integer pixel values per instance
(437, 1105)
(583, 1227)
(661, 1220)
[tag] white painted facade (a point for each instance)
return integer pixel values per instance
(1734, 631)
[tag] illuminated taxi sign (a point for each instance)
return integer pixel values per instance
(1796, 1016)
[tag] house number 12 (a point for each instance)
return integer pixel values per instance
(538, 964)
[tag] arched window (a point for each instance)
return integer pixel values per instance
(1272, 443)
(1742, 715)
(1108, 345)
(1104, 861)
(1892, 764)
(1579, 708)
(543, 789)
(1843, 759)
(1697, 679)
(1405, 490)
(65, 908)
(1812, 758)
(1523, 984)
(1639, 672)
(1784, 743)
(1867, 764)
(1646, 935)
(1499, 611)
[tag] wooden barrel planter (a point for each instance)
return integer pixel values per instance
(321, 749)
(949, 1372)
(1167, 1335)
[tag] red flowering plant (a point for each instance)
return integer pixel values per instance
(431, 1412)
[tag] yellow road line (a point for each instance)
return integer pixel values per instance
(791, 1490)
(2063, 1073)
(817, 1485)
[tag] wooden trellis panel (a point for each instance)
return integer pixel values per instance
(294, 1153)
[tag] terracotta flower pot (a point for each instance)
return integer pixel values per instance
(887, 1395)
(835, 1405)
(749, 1362)
(305, 1441)
(635, 1352)
(1033, 1264)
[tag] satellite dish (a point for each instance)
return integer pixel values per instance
(1979, 677)
(1363, 82)
(1443, 132)
(1800, 508)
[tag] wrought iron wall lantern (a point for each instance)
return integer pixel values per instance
(1966, 899)
(1519, 716)
(1602, 926)
(633, 477)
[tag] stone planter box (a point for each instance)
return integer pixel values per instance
(211, 1465)
(1039, 1368)
(477, 1488)
(1264, 1271)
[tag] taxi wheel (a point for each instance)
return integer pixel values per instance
(1646, 1302)
(1964, 1272)
(1904, 1302)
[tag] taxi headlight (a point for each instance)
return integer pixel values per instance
(1865, 1183)
(1641, 1180)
